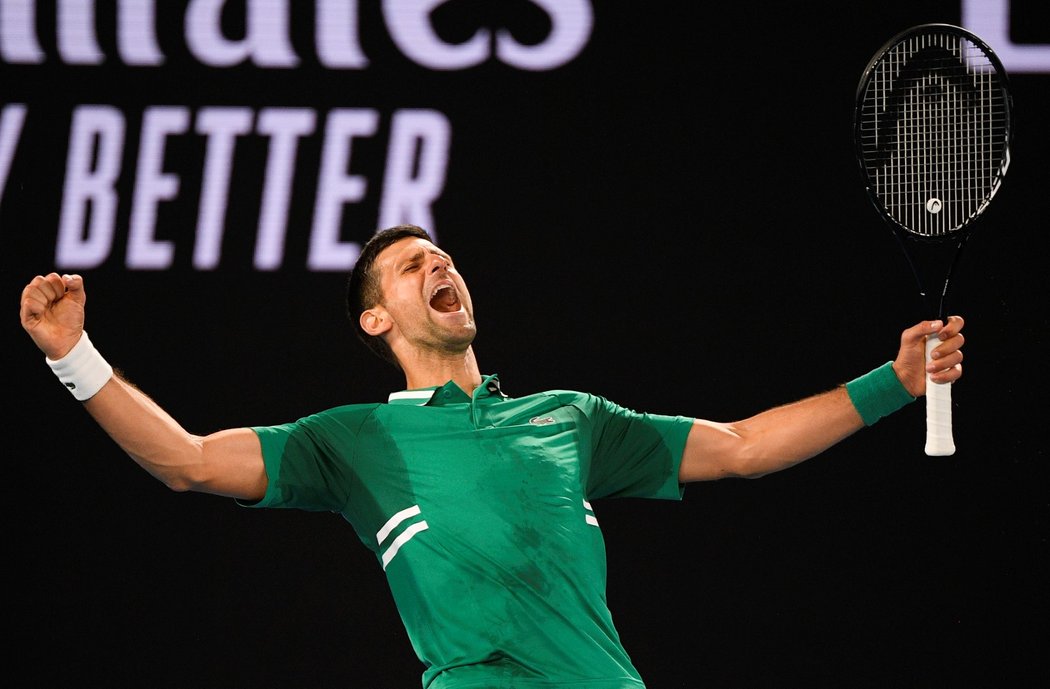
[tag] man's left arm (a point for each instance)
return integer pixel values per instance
(787, 435)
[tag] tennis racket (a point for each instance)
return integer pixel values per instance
(932, 130)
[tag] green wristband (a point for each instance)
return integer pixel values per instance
(878, 393)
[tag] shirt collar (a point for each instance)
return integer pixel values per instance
(447, 393)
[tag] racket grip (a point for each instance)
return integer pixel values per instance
(939, 440)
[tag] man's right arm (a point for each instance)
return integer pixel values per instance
(226, 463)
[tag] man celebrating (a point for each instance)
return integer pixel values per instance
(476, 504)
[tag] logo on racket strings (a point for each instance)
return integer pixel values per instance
(934, 205)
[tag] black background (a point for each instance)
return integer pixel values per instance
(673, 220)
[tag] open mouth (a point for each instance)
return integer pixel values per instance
(445, 299)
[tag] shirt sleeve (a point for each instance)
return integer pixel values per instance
(309, 462)
(633, 454)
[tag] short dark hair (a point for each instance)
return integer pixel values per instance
(363, 289)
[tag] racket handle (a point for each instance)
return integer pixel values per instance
(938, 412)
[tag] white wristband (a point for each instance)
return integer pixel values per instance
(82, 369)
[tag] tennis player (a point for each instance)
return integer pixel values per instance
(477, 504)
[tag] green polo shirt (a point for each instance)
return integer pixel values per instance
(478, 510)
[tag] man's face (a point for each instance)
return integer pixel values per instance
(425, 297)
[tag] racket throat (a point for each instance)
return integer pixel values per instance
(934, 265)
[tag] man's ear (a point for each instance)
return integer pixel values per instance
(375, 321)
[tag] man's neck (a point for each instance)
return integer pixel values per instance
(427, 371)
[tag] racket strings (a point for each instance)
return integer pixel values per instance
(933, 130)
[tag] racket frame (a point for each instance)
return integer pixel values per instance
(939, 440)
